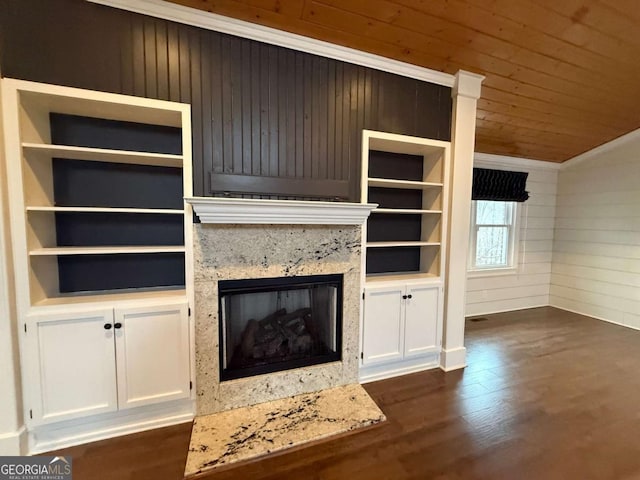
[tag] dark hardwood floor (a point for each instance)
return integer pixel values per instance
(547, 395)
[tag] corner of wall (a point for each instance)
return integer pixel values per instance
(530, 284)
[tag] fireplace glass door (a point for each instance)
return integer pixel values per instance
(273, 324)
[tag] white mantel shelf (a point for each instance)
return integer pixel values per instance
(224, 210)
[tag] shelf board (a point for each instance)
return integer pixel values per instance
(54, 251)
(404, 184)
(163, 211)
(160, 293)
(402, 277)
(405, 211)
(104, 155)
(402, 244)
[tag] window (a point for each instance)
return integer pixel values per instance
(493, 235)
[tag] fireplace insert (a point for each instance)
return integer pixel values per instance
(274, 324)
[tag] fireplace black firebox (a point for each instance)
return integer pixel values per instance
(273, 324)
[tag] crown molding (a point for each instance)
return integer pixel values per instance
(278, 212)
(260, 33)
(604, 148)
(488, 159)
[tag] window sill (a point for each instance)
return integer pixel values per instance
(492, 272)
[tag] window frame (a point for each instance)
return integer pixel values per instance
(513, 245)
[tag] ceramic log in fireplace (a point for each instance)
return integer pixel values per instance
(274, 324)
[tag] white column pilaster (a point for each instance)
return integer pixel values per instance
(466, 92)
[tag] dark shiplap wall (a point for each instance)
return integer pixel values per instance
(257, 109)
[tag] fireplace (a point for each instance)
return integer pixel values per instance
(274, 324)
(242, 239)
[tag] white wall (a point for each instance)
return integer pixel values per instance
(12, 438)
(529, 286)
(596, 256)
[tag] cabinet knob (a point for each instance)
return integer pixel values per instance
(404, 297)
(408, 296)
(117, 325)
(107, 326)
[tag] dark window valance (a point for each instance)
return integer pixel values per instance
(499, 185)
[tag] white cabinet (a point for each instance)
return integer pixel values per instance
(87, 362)
(72, 365)
(421, 330)
(152, 351)
(383, 318)
(401, 329)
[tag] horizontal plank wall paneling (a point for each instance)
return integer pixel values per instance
(529, 287)
(596, 256)
(258, 110)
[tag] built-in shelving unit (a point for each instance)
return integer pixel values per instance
(98, 182)
(406, 177)
(404, 254)
(101, 240)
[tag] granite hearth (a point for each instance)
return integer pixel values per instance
(235, 436)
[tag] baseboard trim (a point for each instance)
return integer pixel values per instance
(491, 312)
(381, 372)
(453, 359)
(77, 432)
(14, 443)
(602, 319)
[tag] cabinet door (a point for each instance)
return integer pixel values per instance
(70, 365)
(422, 311)
(382, 338)
(152, 350)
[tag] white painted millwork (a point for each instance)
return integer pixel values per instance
(80, 380)
(402, 328)
(102, 155)
(422, 320)
(278, 212)
(240, 28)
(12, 430)
(465, 97)
(71, 366)
(434, 189)
(526, 285)
(596, 255)
(53, 436)
(403, 311)
(88, 362)
(152, 352)
(382, 339)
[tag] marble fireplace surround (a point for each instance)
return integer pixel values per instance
(246, 238)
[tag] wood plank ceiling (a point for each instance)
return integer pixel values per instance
(562, 77)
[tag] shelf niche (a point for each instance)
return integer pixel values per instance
(405, 176)
(91, 182)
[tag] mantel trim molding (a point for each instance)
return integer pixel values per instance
(231, 211)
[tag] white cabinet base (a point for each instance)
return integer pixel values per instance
(55, 436)
(404, 367)
(401, 329)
